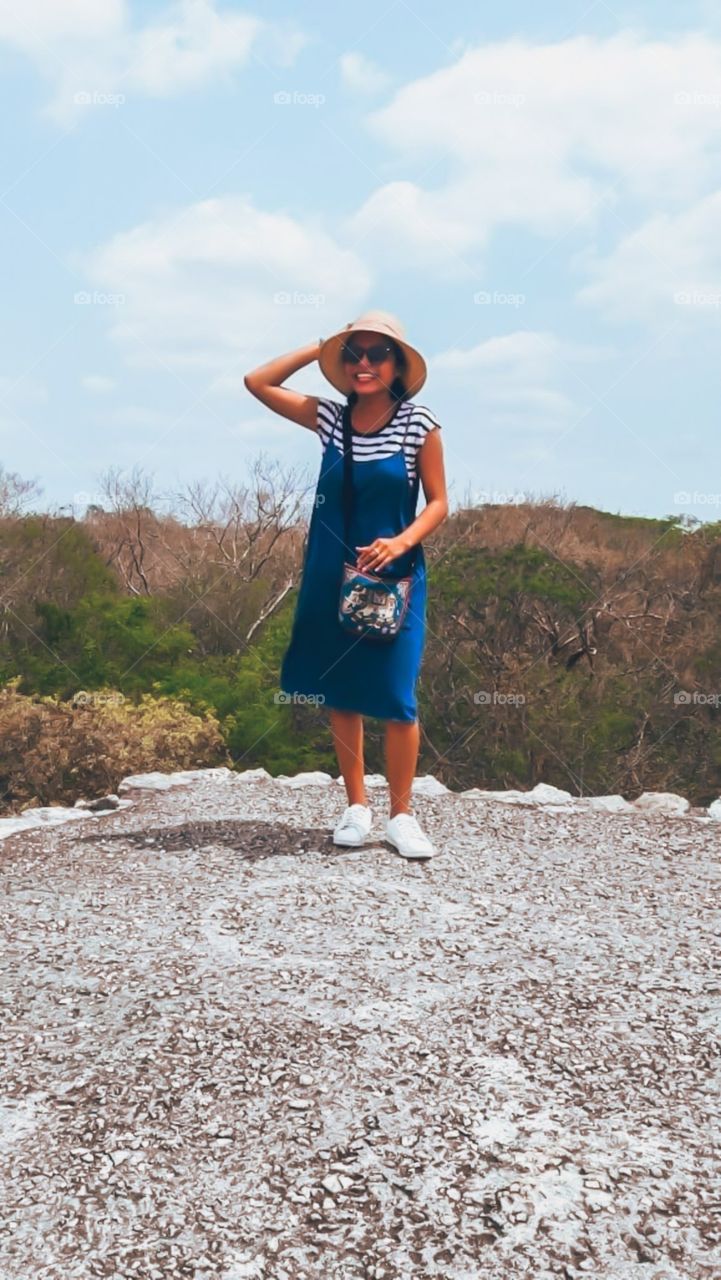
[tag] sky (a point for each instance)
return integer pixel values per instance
(190, 189)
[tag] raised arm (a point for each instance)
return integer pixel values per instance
(265, 384)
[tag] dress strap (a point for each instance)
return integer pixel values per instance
(348, 477)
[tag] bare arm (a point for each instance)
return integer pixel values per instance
(432, 474)
(265, 384)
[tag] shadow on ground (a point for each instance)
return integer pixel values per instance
(251, 840)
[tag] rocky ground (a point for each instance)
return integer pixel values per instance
(234, 1050)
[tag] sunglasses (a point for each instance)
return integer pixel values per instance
(376, 354)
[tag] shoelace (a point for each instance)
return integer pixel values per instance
(409, 821)
(352, 816)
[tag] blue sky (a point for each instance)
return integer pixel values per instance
(189, 189)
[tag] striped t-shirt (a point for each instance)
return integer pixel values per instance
(369, 445)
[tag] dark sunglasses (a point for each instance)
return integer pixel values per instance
(376, 354)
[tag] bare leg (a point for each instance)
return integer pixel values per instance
(347, 727)
(402, 743)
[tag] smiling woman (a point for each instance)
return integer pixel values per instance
(369, 508)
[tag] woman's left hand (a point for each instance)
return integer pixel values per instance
(379, 553)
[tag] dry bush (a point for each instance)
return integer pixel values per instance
(227, 554)
(56, 752)
(16, 494)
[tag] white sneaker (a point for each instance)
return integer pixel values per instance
(404, 832)
(354, 825)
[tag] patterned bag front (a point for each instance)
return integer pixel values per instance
(372, 606)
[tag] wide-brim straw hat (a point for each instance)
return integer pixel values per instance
(339, 374)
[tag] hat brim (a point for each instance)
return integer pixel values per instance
(334, 368)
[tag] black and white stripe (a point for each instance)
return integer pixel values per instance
(416, 417)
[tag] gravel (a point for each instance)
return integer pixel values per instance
(234, 1050)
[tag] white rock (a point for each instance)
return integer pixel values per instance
(252, 775)
(544, 793)
(661, 802)
(495, 1129)
(313, 778)
(44, 816)
(371, 780)
(152, 781)
(714, 810)
(157, 781)
(609, 804)
(49, 815)
(245, 1269)
(427, 785)
(507, 797)
(332, 1183)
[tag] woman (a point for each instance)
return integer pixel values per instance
(396, 446)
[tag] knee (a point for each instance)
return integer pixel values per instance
(345, 717)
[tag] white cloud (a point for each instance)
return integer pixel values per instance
(362, 75)
(540, 137)
(90, 48)
(421, 229)
(221, 286)
(533, 352)
(514, 378)
(35, 25)
(194, 43)
(669, 265)
(97, 383)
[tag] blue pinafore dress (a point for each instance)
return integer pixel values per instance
(346, 672)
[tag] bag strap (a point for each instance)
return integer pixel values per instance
(348, 481)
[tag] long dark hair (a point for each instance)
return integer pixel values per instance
(397, 390)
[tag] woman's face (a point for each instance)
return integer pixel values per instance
(369, 376)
